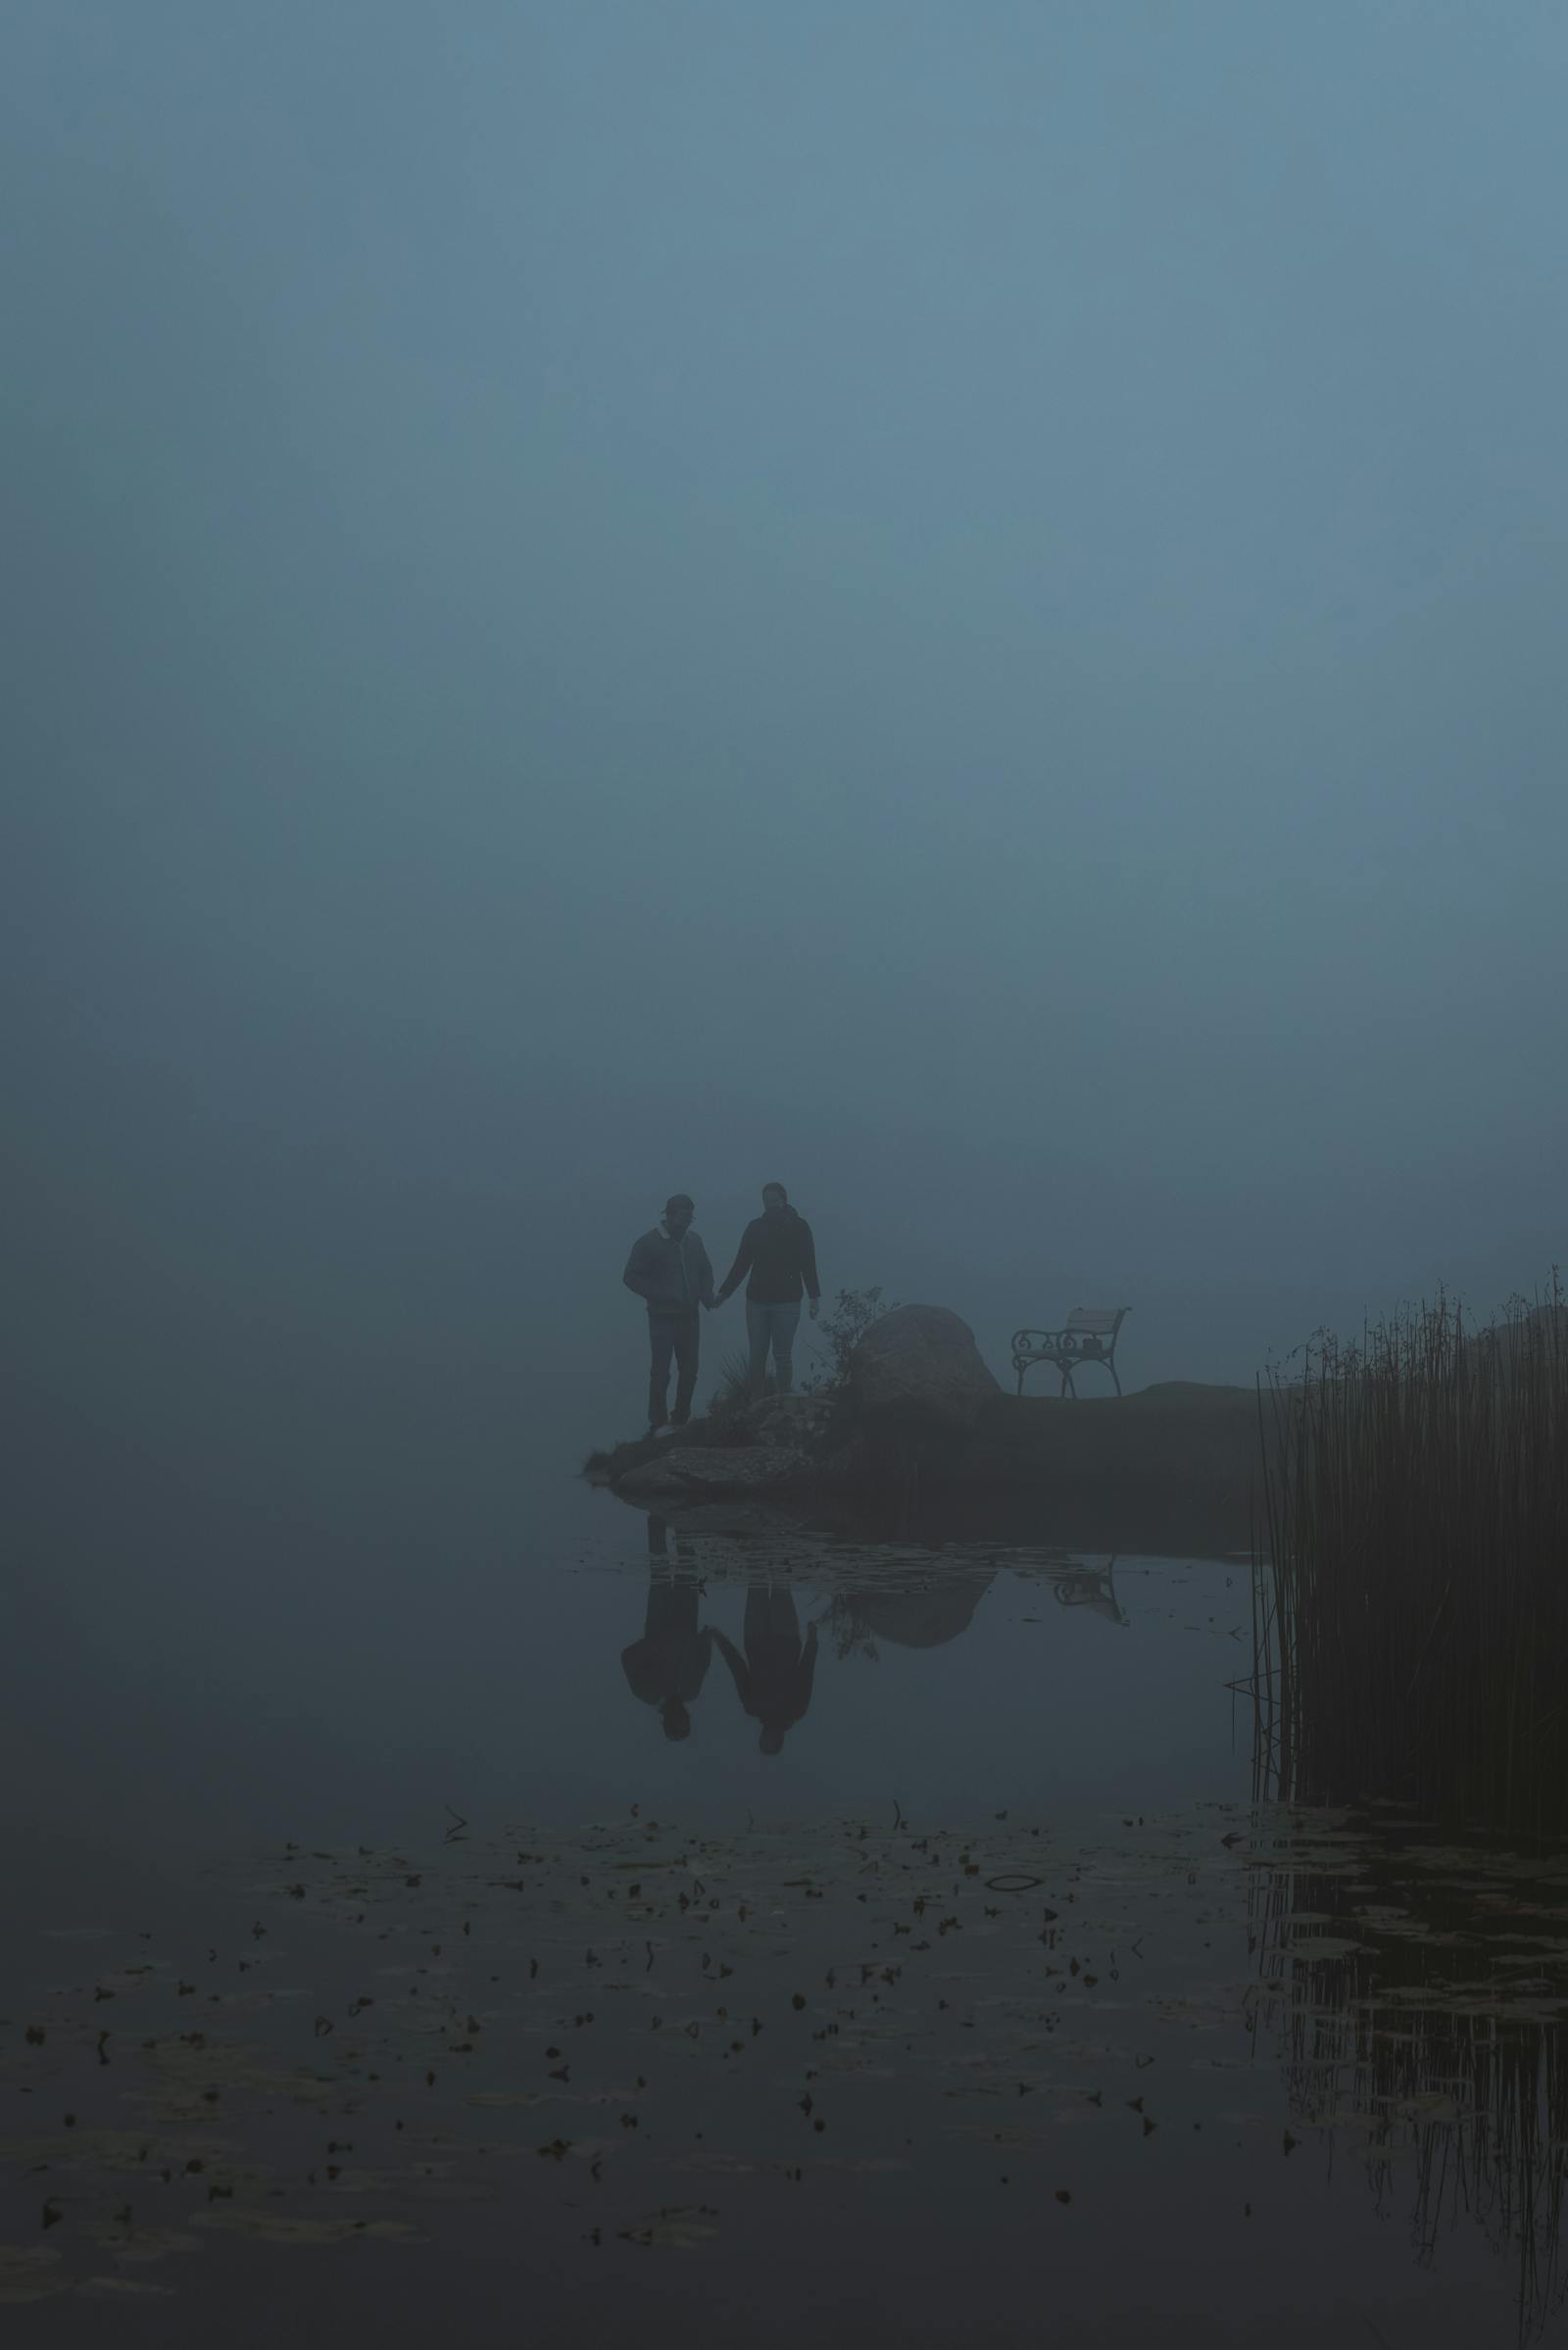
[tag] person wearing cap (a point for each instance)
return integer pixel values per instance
(668, 1269)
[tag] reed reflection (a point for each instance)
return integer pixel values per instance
(1417, 2013)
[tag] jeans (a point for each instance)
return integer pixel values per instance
(671, 1333)
(773, 1325)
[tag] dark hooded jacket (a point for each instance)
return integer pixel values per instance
(779, 1251)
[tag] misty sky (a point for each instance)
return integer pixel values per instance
(963, 606)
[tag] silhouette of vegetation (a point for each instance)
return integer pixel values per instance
(733, 1394)
(1412, 1617)
(843, 1327)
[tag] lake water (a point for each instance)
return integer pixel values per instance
(488, 1913)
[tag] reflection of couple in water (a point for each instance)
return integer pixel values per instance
(667, 1666)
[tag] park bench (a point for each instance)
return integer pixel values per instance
(1089, 1337)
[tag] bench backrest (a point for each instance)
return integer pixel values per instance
(1095, 1321)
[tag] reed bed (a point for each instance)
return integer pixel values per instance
(1412, 1603)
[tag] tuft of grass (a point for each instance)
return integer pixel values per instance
(733, 1393)
(828, 1344)
(1411, 1621)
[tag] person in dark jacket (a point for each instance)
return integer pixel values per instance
(668, 1269)
(773, 1679)
(780, 1253)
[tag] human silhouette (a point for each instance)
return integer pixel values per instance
(780, 1253)
(773, 1679)
(668, 1269)
(667, 1666)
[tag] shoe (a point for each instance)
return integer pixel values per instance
(665, 1428)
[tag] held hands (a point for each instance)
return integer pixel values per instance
(812, 1310)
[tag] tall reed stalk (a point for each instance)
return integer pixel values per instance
(1412, 1610)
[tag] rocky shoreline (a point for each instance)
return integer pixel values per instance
(922, 1421)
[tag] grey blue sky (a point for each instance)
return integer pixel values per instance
(962, 606)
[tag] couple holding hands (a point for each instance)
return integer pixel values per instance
(668, 1269)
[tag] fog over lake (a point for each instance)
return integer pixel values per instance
(962, 609)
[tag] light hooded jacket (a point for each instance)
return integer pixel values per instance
(670, 1276)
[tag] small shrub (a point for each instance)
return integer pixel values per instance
(843, 1327)
(850, 1635)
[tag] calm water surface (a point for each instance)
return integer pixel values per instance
(722, 1925)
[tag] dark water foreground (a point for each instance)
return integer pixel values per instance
(443, 1996)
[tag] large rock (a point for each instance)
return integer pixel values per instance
(698, 1472)
(919, 1367)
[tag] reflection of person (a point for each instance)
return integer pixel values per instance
(773, 1679)
(779, 1251)
(668, 1269)
(666, 1667)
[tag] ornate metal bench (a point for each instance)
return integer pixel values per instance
(1089, 1336)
